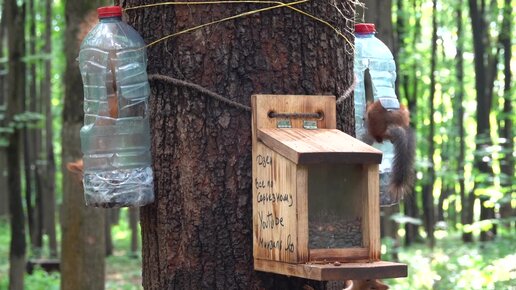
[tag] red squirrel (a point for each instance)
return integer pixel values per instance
(370, 284)
(393, 125)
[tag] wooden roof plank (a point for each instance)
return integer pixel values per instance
(303, 146)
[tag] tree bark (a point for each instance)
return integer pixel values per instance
(49, 199)
(507, 163)
(466, 214)
(197, 234)
(32, 200)
(83, 240)
(134, 218)
(4, 202)
(485, 72)
(15, 17)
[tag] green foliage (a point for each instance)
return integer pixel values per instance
(454, 265)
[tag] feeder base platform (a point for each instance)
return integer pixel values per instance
(334, 271)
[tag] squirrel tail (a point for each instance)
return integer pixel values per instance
(402, 175)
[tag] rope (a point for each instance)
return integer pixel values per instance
(348, 91)
(220, 98)
(178, 82)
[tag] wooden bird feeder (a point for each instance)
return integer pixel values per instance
(316, 208)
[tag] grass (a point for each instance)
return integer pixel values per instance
(451, 265)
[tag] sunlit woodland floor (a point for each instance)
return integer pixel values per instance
(451, 265)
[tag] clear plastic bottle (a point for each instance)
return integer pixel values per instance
(115, 138)
(374, 59)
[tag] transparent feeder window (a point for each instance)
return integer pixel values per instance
(335, 207)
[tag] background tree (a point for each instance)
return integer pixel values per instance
(198, 232)
(83, 239)
(49, 168)
(428, 186)
(4, 203)
(15, 17)
(507, 116)
(485, 74)
(409, 89)
(466, 200)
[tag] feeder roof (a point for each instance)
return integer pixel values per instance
(303, 146)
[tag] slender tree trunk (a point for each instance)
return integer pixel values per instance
(83, 240)
(30, 147)
(485, 71)
(507, 133)
(15, 95)
(428, 187)
(107, 231)
(197, 234)
(49, 199)
(4, 202)
(445, 193)
(466, 214)
(134, 217)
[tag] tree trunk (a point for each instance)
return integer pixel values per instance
(107, 231)
(15, 95)
(379, 12)
(30, 150)
(197, 234)
(466, 214)
(485, 72)
(134, 217)
(408, 84)
(4, 202)
(428, 187)
(507, 163)
(49, 199)
(83, 241)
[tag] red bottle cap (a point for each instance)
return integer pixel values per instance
(365, 28)
(109, 11)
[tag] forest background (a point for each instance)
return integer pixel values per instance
(454, 60)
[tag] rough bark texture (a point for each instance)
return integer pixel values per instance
(83, 245)
(198, 235)
(15, 95)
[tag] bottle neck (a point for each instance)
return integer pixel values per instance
(110, 19)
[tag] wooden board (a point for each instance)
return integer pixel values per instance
(371, 204)
(321, 146)
(331, 272)
(264, 104)
(275, 208)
